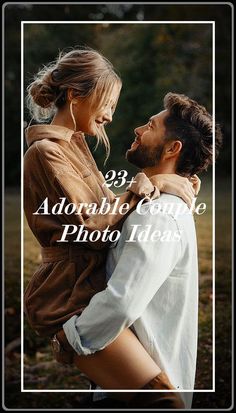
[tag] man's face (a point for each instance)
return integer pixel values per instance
(147, 148)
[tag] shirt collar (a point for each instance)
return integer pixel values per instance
(37, 132)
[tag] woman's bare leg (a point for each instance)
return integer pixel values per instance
(123, 364)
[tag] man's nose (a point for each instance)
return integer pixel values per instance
(137, 131)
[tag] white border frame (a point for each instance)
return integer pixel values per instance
(213, 199)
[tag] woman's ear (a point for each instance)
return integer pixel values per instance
(70, 96)
(172, 149)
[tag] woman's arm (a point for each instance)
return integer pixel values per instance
(64, 181)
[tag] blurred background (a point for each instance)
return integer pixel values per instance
(152, 59)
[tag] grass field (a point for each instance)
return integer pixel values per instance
(41, 372)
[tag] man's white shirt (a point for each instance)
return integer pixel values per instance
(152, 288)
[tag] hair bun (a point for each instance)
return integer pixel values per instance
(43, 93)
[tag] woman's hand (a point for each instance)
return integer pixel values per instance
(142, 186)
(174, 184)
(196, 183)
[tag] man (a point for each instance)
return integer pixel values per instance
(152, 271)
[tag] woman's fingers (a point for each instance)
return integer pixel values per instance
(188, 197)
(191, 189)
(184, 190)
(188, 187)
(188, 192)
(196, 182)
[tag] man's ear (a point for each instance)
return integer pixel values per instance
(172, 149)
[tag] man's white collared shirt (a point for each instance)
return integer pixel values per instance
(152, 287)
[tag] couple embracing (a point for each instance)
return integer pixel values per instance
(124, 312)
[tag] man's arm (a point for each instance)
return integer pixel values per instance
(141, 270)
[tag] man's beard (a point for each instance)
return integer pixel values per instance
(145, 157)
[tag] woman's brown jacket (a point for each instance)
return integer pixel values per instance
(58, 163)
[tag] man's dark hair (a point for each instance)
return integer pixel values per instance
(190, 123)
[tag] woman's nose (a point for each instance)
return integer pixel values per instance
(108, 115)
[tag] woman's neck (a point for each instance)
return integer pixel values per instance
(61, 118)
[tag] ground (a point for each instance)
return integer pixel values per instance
(42, 372)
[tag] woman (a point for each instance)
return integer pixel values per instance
(81, 90)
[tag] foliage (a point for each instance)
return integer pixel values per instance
(151, 58)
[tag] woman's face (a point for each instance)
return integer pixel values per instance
(89, 120)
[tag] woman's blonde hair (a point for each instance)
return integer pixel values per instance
(84, 70)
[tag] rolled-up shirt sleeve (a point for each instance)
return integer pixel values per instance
(141, 270)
